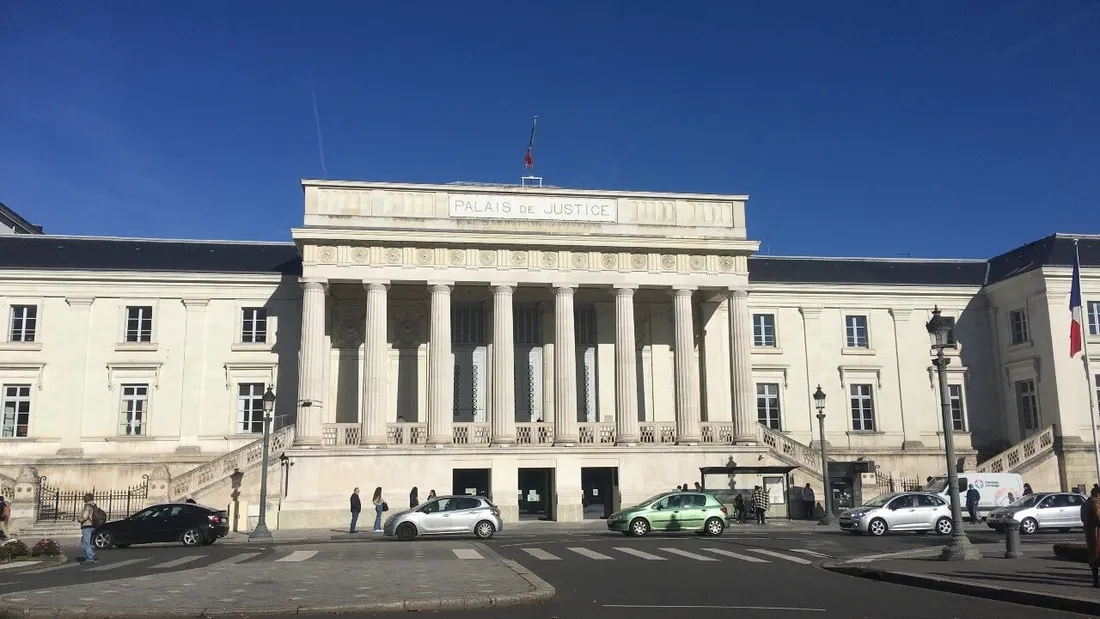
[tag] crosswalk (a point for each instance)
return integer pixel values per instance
(800, 556)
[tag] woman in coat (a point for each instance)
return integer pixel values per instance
(379, 507)
(1090, 517)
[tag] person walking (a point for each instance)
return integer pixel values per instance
(759, 503)
(414, 500)
(1090, 517)
(379, 507)
(973, 497)
(5, 519)
(808, 502)
(88, 523)
(356, 507)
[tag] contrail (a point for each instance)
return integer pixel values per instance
(317, 123)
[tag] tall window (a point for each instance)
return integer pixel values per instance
(863, 408)
(17, 410)
(956, 398)
(1094, 317)
(24, 323)
(135, 409)
(763, 330)
(951, 342)
(1027, 404)
(1017, 321)
(254, 326)
(855, 330)
(250, 408)
(139, 323)
(767, 405)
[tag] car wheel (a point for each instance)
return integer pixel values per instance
(484, 529)
(639, 527)
(714, 527)
(406, 532)
(1029, 526)
(192, 537)
(944, 526)
(103, 540)
(877, 527)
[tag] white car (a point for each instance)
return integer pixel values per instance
(446, 515)
(902, 511)
(1042, 510)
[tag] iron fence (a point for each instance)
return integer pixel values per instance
(65, 505)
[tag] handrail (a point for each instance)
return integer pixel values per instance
(202, 477)
(1027, 450)
(7, 486)
(806, 457)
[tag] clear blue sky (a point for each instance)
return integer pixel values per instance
(937, 128)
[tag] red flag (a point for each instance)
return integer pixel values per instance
(1076, 324)
(529, 158)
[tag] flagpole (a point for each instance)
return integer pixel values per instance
(1089, 380)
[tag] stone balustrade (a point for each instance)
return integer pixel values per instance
(717, 432)
(405, 433)
(341, 434)
(472, 433)
(534, 433)
(1027, 450)
(596, 433)
(657, 432)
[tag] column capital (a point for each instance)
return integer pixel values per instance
(376, 285)
(683, 291)
(80, 302)
(625, 290)
(440, 287)
(811, 313)
(564, 288)
(195, 304)
(503, 287)
(739, 293)
(313, 283)
(901, 314)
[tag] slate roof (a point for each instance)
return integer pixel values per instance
(24, 251)
(1054, 250)
(803, 270)
(22, 225)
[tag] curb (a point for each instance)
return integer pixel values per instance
(1068, 603)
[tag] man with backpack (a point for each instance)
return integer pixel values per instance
(5, 519)
(91, 518)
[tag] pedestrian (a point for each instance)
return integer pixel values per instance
(431, 495)
(808, 502)
(739, 508)
(413, 500)
(356, 507)
(379, 507)
(698, 488)
(1090, 517)
(1028, 490)
(973, 497)
(759, 503)
(5, 518)
(91, 517)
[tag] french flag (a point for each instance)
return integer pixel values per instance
(529, 158)
(1076, 325)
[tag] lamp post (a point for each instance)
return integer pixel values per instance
(959, 548)
(829, 518)
(261, 532)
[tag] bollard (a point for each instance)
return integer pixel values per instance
(1012, 540)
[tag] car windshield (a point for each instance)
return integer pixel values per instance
(879, 501)
(651, 499)
(936, 486)
(1028, 500)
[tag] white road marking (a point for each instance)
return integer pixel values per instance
(8, 566)
(684, 553)
(115, 566)
(639, 553)
(235, 559)
(809, 552)
(734, 555)
(178, 562)
(467, 553)
(591, 554)
(779, 555)
(541, 554)
(894, 555)
(299, 555)
(784, 608)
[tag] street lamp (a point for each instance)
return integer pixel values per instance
(261, 532)
(829, 518)
(959, 548)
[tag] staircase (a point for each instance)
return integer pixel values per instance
(1022, 455)
(219, 471)
(792, 452)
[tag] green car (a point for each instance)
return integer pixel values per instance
(672, 511)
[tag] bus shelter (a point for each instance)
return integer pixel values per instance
(727, 482)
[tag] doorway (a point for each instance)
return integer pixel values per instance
(601, 490)
(536, 494)
(474, 482)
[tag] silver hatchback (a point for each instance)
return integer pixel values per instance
(1042, 510)
(446, 515)
(903, 511)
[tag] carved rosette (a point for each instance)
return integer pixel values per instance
(424, 256)
(326, 254)
(347, 327)
(456, 257)
(406, 328)
(359, 255)
(609, 261)
(697, 263)
(668, 261)
(638, 261)
(579, 260)
(550, 259)
(519, 258)
(487, 257)
(393, 255)
(726, 263)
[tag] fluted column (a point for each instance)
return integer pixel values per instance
(744, 393)
(688, 409)
(311, 364)
(504, 367)
(565, 367)
(374, 366)
(441, 375)
(626, 368)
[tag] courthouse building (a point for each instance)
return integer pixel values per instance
(550, 348)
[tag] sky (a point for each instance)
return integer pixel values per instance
(938, 128)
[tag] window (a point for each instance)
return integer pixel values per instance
(17, 410)
(24, 323)
(250, 408)
(763, 330)
(951, 342)
(927, 500)
(767, 405)
(863, 408)
(1094, 317)
(139, 323)
(1027, 404)
(855, 328)
(254, 326)
(955, 393)
(1017, 321)
(135, 409)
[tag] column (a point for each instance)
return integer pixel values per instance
(441, 375)
(744, 393)
(626, 368)
(687, 369)
(374, 366)
(565, 367)
(504, 367)
(311, 364)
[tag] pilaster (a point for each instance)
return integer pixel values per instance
(78, 326)
(194, 353)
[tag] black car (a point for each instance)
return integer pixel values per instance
(187, 523)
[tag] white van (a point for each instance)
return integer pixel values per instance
(997, 489)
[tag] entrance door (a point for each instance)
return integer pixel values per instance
(472, 481)
(599, 486)
(536, 494)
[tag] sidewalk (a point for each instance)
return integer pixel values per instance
(325, 586)
(1038, 579)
